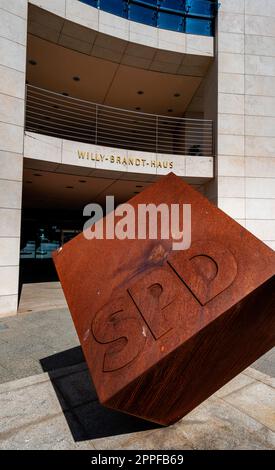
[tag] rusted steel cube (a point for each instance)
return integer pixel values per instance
(162, 330)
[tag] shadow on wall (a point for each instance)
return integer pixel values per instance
(86, 417)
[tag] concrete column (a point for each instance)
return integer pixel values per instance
(246, 116)
(210, 112)
(230, 163)
(13, 41)
(259, 110)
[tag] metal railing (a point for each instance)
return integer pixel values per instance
(69, 118)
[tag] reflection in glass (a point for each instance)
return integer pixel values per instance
(197, 26)
(117, 7)
(92, 3)
(170, 21)
(173, 4)
(197, 15)
(142, 14)
(149, 2)
(199, 7)
(41, 242)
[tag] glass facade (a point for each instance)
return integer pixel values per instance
(187, 16)
(42, 232)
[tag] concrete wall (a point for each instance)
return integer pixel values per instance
(246, 114)
(210, 112)
(13, 33)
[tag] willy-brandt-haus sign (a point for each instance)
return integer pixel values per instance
(161, 328)
(124, 160)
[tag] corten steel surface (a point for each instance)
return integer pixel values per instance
(162, 330)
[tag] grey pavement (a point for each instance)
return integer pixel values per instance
(47, 399)
(37, 342)
(59, 410)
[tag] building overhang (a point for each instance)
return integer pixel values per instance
(50, 153)
(90, 31)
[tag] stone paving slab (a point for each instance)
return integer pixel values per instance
(257, 400)
(50, 411)
(40, 296)
(259, 376)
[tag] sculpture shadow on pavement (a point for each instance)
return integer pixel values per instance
(85, 416)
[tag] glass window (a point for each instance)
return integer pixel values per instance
(93, 3)
(198, 26)
(142, 14)
(173, 4)
(117, 7)
(153, 13)
(149, 2)
(199, 7)
(170, 21)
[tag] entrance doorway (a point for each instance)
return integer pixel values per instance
(54, 196)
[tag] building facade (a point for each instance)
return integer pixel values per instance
(102, 97)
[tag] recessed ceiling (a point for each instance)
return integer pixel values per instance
(60, 190)
(54, 190)
(107, 82)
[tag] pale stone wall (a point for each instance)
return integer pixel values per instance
(66, 152)
(246, 114)
(230, 57)
(13, 34)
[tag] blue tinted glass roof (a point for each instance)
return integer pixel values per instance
(188, 16)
